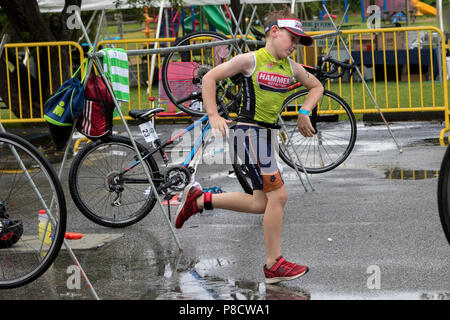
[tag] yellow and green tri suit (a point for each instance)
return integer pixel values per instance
(265, 89)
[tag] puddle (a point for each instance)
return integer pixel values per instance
(194, 283)
(410, 174)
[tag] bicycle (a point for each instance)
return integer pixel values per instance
(108, 184)
(443, 192)
(118, 195)
(28, 184)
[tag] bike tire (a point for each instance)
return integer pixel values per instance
(241, 172)
(90, 179)
(443, 194)
(335, 137)
(23, 194)
(186, 93)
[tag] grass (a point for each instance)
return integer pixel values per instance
(388, 97)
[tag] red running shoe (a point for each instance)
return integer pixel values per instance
(188, 207)
(283, 270)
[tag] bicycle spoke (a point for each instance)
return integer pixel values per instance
(29, 184)
(117, 197)
(332, 142)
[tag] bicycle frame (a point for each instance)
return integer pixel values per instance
(160, 147)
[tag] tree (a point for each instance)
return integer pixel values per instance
(27, 24)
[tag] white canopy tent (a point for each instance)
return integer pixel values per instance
(87, 5)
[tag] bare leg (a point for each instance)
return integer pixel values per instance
(271, 204)
(238, 201)
(273, 221)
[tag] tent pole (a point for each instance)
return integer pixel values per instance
(365, 83)
(158, 28)
(441, 22)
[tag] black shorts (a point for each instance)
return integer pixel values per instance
(254, 146)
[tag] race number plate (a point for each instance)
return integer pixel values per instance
(148, 131)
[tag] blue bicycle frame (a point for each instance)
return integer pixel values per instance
(160, 147)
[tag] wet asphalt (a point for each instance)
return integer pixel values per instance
(369, 230)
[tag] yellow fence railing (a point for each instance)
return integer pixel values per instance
(405, 69)
(32, 75)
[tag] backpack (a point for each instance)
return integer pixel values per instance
(63, 108)
(96, 119)
(66, 104)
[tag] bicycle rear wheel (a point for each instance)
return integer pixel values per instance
(28, 185)
(444, 194)
(182, 73)
(335, 135)
(243, 177)
(104, 196)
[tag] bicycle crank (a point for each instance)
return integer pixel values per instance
(176, 179)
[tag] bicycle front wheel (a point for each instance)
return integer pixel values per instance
(182, 73)
(444, 194)
(333, 141)
(28, 185)
(102, 193)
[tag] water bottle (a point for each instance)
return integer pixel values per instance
(43, 221)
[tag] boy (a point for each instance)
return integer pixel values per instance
(267, 73)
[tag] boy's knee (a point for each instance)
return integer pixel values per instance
(282, 198)
(279, 195)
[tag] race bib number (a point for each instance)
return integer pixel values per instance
(148, 131)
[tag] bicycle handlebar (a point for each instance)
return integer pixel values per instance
(334, 66)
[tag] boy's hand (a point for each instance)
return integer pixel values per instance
(304, 125)
(220, 124)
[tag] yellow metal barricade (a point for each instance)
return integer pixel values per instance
(404, 75)
(32, 76)
(401, 78)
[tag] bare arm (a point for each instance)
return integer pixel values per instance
(315, 93)
(244, 64)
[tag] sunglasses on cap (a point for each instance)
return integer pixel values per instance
(294, 26)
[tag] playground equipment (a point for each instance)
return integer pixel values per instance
(395, 10)
(323, 15)
(213, 16)
(423, 8)
(148, 21)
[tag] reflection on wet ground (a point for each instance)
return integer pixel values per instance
(190, 281)
(159, 275)
(410, 174)
(152, 276)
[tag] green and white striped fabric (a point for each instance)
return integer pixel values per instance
(115, 66)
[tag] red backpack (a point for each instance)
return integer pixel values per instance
(96, 121)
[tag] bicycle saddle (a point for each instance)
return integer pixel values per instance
(144, 115)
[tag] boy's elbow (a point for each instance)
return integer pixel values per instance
(319, 87)
(209, 78)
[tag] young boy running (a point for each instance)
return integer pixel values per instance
(267, 73)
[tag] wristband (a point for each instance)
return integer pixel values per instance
(308, 113)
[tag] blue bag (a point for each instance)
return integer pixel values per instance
(66, 104)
